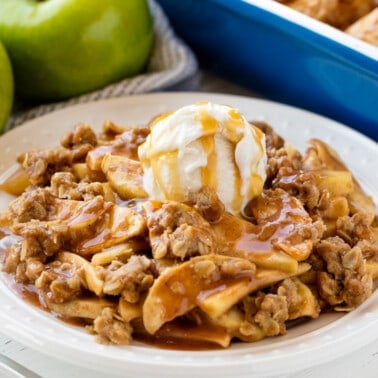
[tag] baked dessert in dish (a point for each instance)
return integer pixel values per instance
(358, 18)
(195, 230)
(366, 28)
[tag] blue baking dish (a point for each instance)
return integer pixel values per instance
(284, 55)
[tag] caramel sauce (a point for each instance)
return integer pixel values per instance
(236, 119)
(180, 334)
(182, 292)
(280, 233)
(84, 214)
(259, 137)
(29, 293)
(166, 342)
(209, 124)
(158, 118)
(99, 239)
(238, 198)
(209, 172)
(232, 129)
(170, 160)
(125, 144)
(249, 243)
(243, 237)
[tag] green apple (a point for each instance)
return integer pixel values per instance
(6, 87)
(63, 48)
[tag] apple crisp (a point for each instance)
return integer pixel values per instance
(86, 240)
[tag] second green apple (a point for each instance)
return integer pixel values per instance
(63, 48)
(6, 87)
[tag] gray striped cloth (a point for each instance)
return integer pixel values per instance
(171, 61)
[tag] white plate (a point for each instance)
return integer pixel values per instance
(307, 345)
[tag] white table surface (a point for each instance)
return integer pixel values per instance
(361, 364)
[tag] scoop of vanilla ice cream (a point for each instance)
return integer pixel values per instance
(204, 144)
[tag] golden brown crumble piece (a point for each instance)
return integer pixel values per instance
(302, 185)
(273, 140)
(31, 205)
(65, 186)
(110, 328)
(59, 282)
(80, 140)
(208, 204)
(130, 279)
(354, 228)
(267, 312)
(177, 231)
(40, 165)
(283, 219)
(345, 280)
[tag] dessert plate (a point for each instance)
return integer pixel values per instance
(312, 343)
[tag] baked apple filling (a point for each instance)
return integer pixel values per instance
(89, 240)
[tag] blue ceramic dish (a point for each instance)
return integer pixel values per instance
(284, 55)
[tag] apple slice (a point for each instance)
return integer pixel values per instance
(218, 303)
(319, 153)
(84, 268)
(301, 300)
(80, 170)
(337, 183)
(124, 175)
(181, 288)
(88, 308)
(120, 224)
(14, 181)
(120, 252)
(129, 311)
(239, 238)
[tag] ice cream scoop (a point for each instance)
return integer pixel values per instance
(200, 145)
